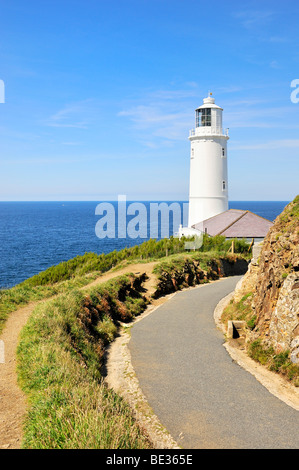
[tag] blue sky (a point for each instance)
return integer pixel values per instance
(100, 96)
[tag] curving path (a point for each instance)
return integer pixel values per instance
(199, 394)
(13, 404)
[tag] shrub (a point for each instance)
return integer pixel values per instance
(92, 262)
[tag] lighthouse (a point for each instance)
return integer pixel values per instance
(208, 188)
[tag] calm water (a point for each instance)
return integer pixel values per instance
(36, 235)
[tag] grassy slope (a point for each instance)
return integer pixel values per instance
(62, 346)
(22, 294)
(60, 357)
(82, 270)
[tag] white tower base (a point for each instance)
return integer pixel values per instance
(201, 209)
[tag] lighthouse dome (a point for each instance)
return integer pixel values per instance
(209, 102)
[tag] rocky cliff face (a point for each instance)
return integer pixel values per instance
(188, 272)
(274, 280)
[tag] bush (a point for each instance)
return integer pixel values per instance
(219, 243)
(151, 249)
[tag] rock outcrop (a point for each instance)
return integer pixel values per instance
(189, 273)
(273, 278)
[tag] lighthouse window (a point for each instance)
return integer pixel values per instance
(203, 117)
(206, 117)
(223, 152)
(223, 185)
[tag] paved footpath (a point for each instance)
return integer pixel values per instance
(199, 394)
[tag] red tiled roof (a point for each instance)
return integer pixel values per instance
(236, 223)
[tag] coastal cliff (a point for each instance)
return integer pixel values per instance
(269, 292)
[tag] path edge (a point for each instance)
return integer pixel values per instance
(121, 377)
(276, 385)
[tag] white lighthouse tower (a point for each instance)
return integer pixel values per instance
(208, 191)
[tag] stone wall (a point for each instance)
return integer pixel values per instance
(284, 325)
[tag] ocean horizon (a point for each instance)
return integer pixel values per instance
(35, 235)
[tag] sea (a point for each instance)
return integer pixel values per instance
(37, 235)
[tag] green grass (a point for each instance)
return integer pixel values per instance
(23, 294)
(92, 262)
(59, 365)
(60, 356)
(288, 219)
(185, 270)
(203, 258)
(220, 244)
(241, 310)
(81, 270)
(148, 250)
(61, 353)
(276, 362)
(279, 363)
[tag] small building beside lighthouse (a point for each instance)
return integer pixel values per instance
(208, 188)
(208, 184)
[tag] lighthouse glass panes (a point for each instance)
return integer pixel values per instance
(203, 117)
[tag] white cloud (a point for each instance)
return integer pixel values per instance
(240, 115)
(277, 39)
(274, 64)
(70, 116)
(162, 121)
(270, 145)
(158, 118)
(175, 94)
(77, 125)
(229, 89)
(145, 116)
(253, 18)
(71, 143)
(163, 117)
